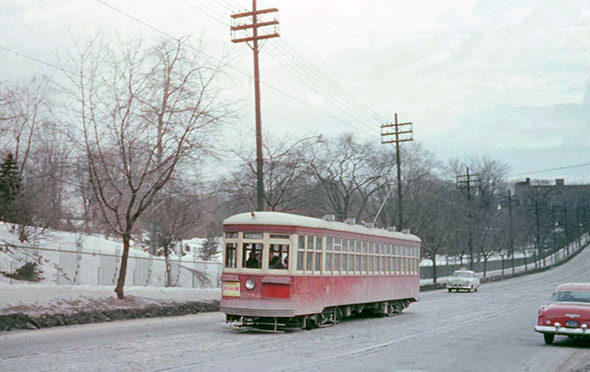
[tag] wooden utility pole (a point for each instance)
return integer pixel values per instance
(402, 132)
(465, 181)
(253, 39)
(511, 232)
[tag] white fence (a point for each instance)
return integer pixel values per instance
(67, 266)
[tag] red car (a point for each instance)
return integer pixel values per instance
(568, 314)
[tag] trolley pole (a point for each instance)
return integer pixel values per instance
(254, 39)
(465, 181)
(402, 132)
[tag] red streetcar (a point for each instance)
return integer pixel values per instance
(284, 271)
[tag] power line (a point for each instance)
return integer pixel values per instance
(291, 51)
(317, 79)
(230, 66)
(314, 82)
(19, 54)
(549, 170)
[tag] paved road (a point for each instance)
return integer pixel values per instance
(490, 330)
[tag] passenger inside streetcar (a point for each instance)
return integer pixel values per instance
(254, 255)
(252, 262)
(274, 260)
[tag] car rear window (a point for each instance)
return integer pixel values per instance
(571, 296)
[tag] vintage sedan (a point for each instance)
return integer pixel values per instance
(568, 314)
(463, 280)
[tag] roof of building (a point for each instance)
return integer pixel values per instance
(287, 219)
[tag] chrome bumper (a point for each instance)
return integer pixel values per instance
(563, 330)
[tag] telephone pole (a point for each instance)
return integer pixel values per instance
(252, 41)
(402, 132)
(465, 181)
(511, 232)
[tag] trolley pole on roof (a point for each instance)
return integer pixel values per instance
(402, 132)
(465, 181)
(252, 41)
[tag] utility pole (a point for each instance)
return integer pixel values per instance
(567, 235)
(465, 181)
(254, 38)
(538, 234)
(402, 132)
(511, 231)
(553, 227)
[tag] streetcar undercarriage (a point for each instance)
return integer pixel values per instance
(327, 318)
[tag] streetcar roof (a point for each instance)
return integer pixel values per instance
(287, 219)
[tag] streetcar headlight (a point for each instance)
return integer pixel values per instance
(250, 283)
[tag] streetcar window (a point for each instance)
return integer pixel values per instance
(351, 262)
(329, 261)
(336, 263)
(278, 257)
(252, 255)
(358, 266)
(300, 252)
(329, 243)
(318, 243)
(231, 235)
(230, 255)
(279, 236)
(318, 262)
(299, 260)
(308, 261)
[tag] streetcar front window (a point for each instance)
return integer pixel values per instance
(278, 257)
(230, 255)
(252, 255)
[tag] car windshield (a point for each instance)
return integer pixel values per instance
(462, 274)
(571, 296)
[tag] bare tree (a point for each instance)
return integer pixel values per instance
(349, 173)
(143, 111)
(286, 180)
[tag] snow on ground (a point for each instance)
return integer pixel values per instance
(38, 299)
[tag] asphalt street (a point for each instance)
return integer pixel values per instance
(490, 330)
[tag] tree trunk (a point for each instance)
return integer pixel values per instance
(434, 269)
(502, 266)
(525, 264)
(167, 260)
(123, 269)
(485, 266)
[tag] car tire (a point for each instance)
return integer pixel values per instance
(450, 290)
(475, 290)
(548, 338)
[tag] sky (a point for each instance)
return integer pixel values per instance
(505, 79)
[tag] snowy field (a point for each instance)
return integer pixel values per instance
(65, 258)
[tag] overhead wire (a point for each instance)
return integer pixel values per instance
(283, 92)
(289, 50)
(302, 74)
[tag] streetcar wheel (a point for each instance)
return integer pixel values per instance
(548, 338)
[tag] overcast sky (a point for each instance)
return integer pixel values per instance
(500, 78)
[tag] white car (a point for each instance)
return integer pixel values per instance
(463, 280)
